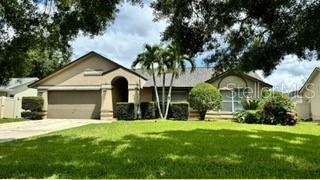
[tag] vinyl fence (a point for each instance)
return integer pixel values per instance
(10, 107)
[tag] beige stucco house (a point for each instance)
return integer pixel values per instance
(90, 86)
(310, 92)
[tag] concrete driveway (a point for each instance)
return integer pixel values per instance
(19, 130)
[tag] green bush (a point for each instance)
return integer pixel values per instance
(250, 104)
(148, 110)
(248, 116)
(34, 104)
(179, 110)
(126, 111)
(275, 108)
(204, 97)
(32, 115)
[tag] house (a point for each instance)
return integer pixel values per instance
(90, 86)
(310, 91)
(11, 96)
(18, 87)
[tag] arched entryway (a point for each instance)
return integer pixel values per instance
(119, 91)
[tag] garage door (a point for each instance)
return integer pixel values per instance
(74, 104)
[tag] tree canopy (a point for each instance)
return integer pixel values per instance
(243, 34)
(48, 25)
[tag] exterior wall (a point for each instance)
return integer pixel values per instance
(312, 94)
(234, 81)
(303, 110)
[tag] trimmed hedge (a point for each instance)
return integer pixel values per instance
(149, 110)
(126, 111)
(179, 110)
(32, 115)
(34, 104)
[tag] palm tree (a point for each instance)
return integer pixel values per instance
(178, 66)
(163, 65)
(147, 61)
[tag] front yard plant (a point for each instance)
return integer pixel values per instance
(273, 108)
(204, 97)
(33, 107)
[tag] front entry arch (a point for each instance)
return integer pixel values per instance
(119, 91)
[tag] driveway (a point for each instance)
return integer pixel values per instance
(19, 130)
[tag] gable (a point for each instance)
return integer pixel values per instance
(311, 81)
(91, 69)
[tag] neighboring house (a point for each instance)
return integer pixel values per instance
(90, 87)
(18, 87)
(11, 95)
(310, 92)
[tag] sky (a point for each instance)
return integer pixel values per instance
(134, 27)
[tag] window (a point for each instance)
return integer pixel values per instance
(232, 99)
(176, 95)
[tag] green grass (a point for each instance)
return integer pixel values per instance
(9, 120)
(167, 149)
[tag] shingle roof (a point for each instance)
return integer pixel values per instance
(14, 82)
(201, 74)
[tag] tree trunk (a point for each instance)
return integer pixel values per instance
(163, 92)
(202, 115)
(156, 91)
(169, 96)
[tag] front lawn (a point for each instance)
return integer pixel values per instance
(9, 120)
(167, 149)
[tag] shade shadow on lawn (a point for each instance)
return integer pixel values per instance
(197, 153)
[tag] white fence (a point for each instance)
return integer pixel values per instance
(10, 107)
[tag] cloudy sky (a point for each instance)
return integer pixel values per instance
(135, 27)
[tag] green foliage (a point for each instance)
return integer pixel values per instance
(248, 116)
(34, 104)
(33, 107)
(148, 110)
(32, 115)
(204, 97)
(179, 110)
(243, 34)
(41, 62)
(149, 60)
(275, 108)
(126, 111)
(250, 104)
(49, 25)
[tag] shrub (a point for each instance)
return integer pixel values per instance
(126, 111)
(34, 104)
(248, 116)
(250, 104)
(148, 110)
(32, 115)
(292, 118)
(33, 107)
(179, 110)
(204, 97)
(275, 107)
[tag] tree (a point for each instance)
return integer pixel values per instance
(204, 97)
(43, 63)
(163, 66)
(147, 61)
(243, 34)
(177, 62)
(50, 24)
